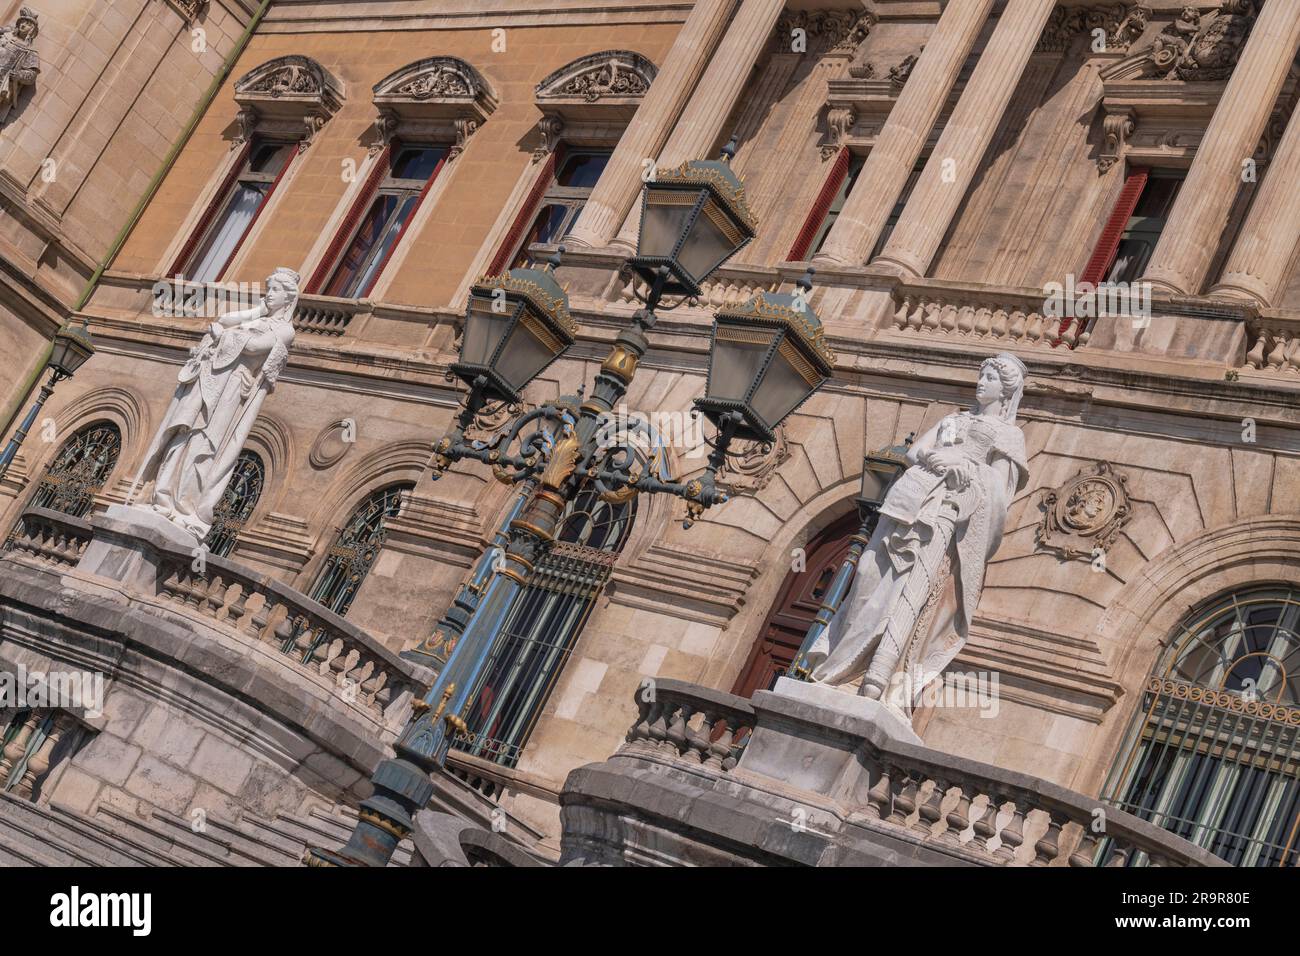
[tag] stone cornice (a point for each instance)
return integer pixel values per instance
(351, 16)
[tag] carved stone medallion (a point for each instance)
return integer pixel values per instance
(1086, 512)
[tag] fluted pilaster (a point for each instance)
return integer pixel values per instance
(899, 145)
(1187, 245)
(966, 136)
(616, 191)
(715, 97)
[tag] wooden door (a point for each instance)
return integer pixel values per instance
(795, 608)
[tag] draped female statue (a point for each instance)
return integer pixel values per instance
(220, 390)
(919, 581)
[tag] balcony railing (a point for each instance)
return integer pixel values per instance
(228, 595)
(969, 810)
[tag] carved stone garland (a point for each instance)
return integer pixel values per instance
(293, 96)
(440, 98)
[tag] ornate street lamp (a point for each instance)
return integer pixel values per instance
(693, 219)
(71, 347)
(767, 356)
(880, 470)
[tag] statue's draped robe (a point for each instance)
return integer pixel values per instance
(221, 389)
(919, 581)
(19, 65)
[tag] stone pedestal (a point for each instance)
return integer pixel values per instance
(895, 726)
(126, 544)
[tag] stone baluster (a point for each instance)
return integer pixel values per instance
(1118, 855)
(986, 827)
(1013, 831)
(1048, 846)
(904, 795)
(39, 762)
(958, 817)
(858, 227)
(677, 728)
(942, 185)
(1182, 256)
(616, 191)
(718, 729)
(1086, 852)
(710, 106)
(17, 746)
(658, 731)
(928, 819)
(879, 796)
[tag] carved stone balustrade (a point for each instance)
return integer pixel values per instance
(326, 315)
(50, 537)
(1273, 345)
(710, 778)
(992, 319)
(726, 286)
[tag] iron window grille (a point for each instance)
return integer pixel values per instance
(349, 560)
(79, 470)
(236, 504)
(1214, 751)
(543, 626)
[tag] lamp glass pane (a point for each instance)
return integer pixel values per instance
(875, 481)
(705, 248)
(783, 387)
(663, 220)
(59, 354)
(525, 355)
(736, 359)
(484, 329)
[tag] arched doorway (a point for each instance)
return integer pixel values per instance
(795, 607)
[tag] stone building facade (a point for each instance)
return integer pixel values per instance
(944, 167)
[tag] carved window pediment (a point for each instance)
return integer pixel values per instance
(291, 96)
(606, 85)
(440, 98)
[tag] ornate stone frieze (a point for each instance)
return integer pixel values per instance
(19, 62)
(597, 76)
(898, 74)
(291, 96)
(1123, 24)
(1202, 47)
(437, 98)
(839, 32)
(1085, 513)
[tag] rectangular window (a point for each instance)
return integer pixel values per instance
(387, 211)
(222, 230)
(837, 204)
(562, 203)
(1144, 225)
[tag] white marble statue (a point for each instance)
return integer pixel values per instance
(919, 581)
(221, 388)
(19, 62)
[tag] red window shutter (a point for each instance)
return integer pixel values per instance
(252, 222)
(349, 224)
(527, 213)
(213, 208)
(839, 169)
(1108, 244)
(401, 233)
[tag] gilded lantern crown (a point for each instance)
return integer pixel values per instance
(716, 175)
(782, 308)
(539, 287)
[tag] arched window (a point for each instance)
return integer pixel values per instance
(351, 557)
(1214, 753)
(543, 627)
(236, 504)
(79, 470)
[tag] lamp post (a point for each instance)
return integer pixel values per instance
(766, 357)
(69, 351)
(880, 470)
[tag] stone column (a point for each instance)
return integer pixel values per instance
(1257, 266)
(943, 183)
(715, 97)
(884, 175)
(619, 184)
(1186, 248)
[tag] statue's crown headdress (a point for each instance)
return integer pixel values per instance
(27, 13)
